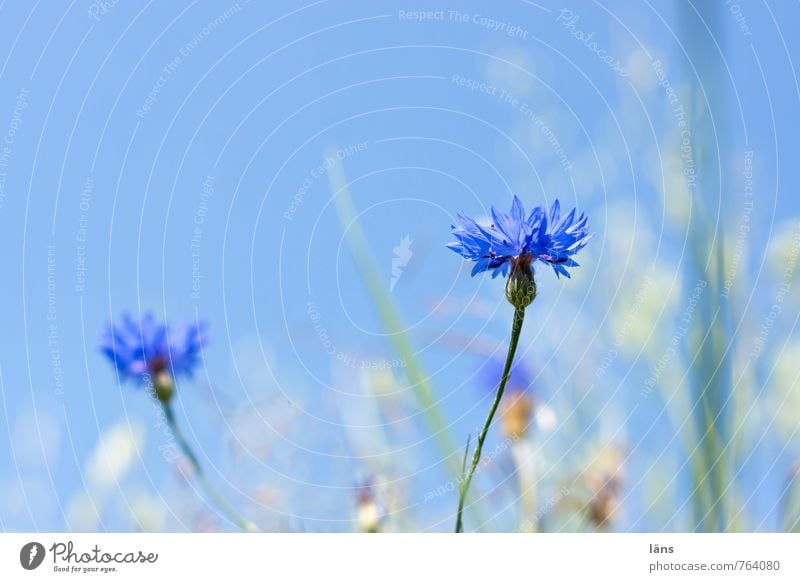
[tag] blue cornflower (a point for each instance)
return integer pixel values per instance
(516, 240)
(510, 246)
(519, 379)
(554, 240)
(154, 353)
(517, 408)
(148, 350)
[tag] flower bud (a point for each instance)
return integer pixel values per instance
(521, 286)
(163, 386)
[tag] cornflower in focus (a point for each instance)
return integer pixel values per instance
(510, 246)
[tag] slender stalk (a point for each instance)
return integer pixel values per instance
(516, 329)
(226, 507)
(464, 460)
(367, 266)
(791, 503)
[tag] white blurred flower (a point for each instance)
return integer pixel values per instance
(783, 398)
(113, 455)
(545, 418)
(148, 514)
(651, 300)
(369, 517)
(642, 75)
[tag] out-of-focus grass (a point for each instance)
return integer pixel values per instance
(709, 346)
(791, 502)
(367, 266)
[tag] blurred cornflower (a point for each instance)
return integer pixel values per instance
(516, 410)
(153, 353)
(519, 379)
(370, 509)
(509, 247)
(150, 351)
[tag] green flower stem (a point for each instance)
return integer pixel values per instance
(226, 507)
(516, 329)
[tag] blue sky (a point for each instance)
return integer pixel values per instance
(172, 157)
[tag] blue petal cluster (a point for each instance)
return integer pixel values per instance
(543, 236)
(142, 348)
(520, 379)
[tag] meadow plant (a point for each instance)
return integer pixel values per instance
(153, 355)
(510, 246)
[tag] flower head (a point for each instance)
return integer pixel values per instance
(519, 380)
(146, 349)
(371, 512)
(555, 239)
(515, 240)
(518, 407)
